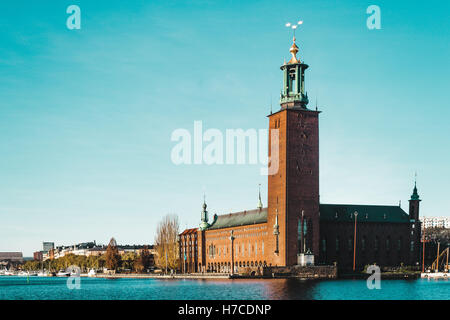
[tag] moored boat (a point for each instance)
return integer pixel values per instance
(43, 274)
(63, 273)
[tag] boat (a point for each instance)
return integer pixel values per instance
(435, 275)
(33, 274)
(43, 274)
(23, 274)
(92, 273)
(63, 273)
(9, 273)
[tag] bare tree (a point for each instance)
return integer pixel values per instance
(166, 242)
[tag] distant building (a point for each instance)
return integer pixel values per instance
(38, 256)
(92, 249)
(11, 257)
(435, 222)
(47, 246)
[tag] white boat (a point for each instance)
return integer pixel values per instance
(63, 273)
(92, 273)
(23, 274)
(9, 273)
(435, 275)
(43, 274)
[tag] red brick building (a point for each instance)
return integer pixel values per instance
(295, 223)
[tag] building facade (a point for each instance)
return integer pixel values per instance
(435, 222)
(295, 223)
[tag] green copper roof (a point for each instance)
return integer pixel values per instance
(415, 195)
(240, 219)
(366, 213)
(328, 213)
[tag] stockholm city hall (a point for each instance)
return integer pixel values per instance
(295, 228)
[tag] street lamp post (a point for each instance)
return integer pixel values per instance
(165, 250)
(354, 243)
(232, 252)
(179, 251)
(423, 252)
(302, 237)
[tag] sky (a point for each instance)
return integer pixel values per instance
(86, 116)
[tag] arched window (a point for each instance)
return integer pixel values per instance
(324, 245)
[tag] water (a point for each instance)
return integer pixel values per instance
(54, 288)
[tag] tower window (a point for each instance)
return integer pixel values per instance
(291, 80)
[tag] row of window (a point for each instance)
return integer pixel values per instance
(240, 249)
(363, 244)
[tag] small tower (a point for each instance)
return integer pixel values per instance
(204, 216)
(414, 204)
(293, 94)
(260, 205)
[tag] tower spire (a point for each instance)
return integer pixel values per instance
(293, 93)
(260, 205)
(415, 195)
(204, 215)
(293, 50)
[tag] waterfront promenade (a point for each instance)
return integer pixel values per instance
(161, 276)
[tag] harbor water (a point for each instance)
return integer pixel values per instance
(56, 288)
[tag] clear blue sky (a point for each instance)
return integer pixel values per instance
(86, 115)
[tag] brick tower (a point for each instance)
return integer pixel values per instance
(293, 191)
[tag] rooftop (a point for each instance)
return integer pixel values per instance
(366, 213)
(241, 218)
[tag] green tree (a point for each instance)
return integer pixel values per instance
(128, 260)
(143, 261)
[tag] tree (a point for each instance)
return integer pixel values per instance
(112, 257)
(128, 260)
(166, 243)
(143, 261)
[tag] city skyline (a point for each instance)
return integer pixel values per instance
(86, 115)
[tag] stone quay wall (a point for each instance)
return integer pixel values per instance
(309, 272)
